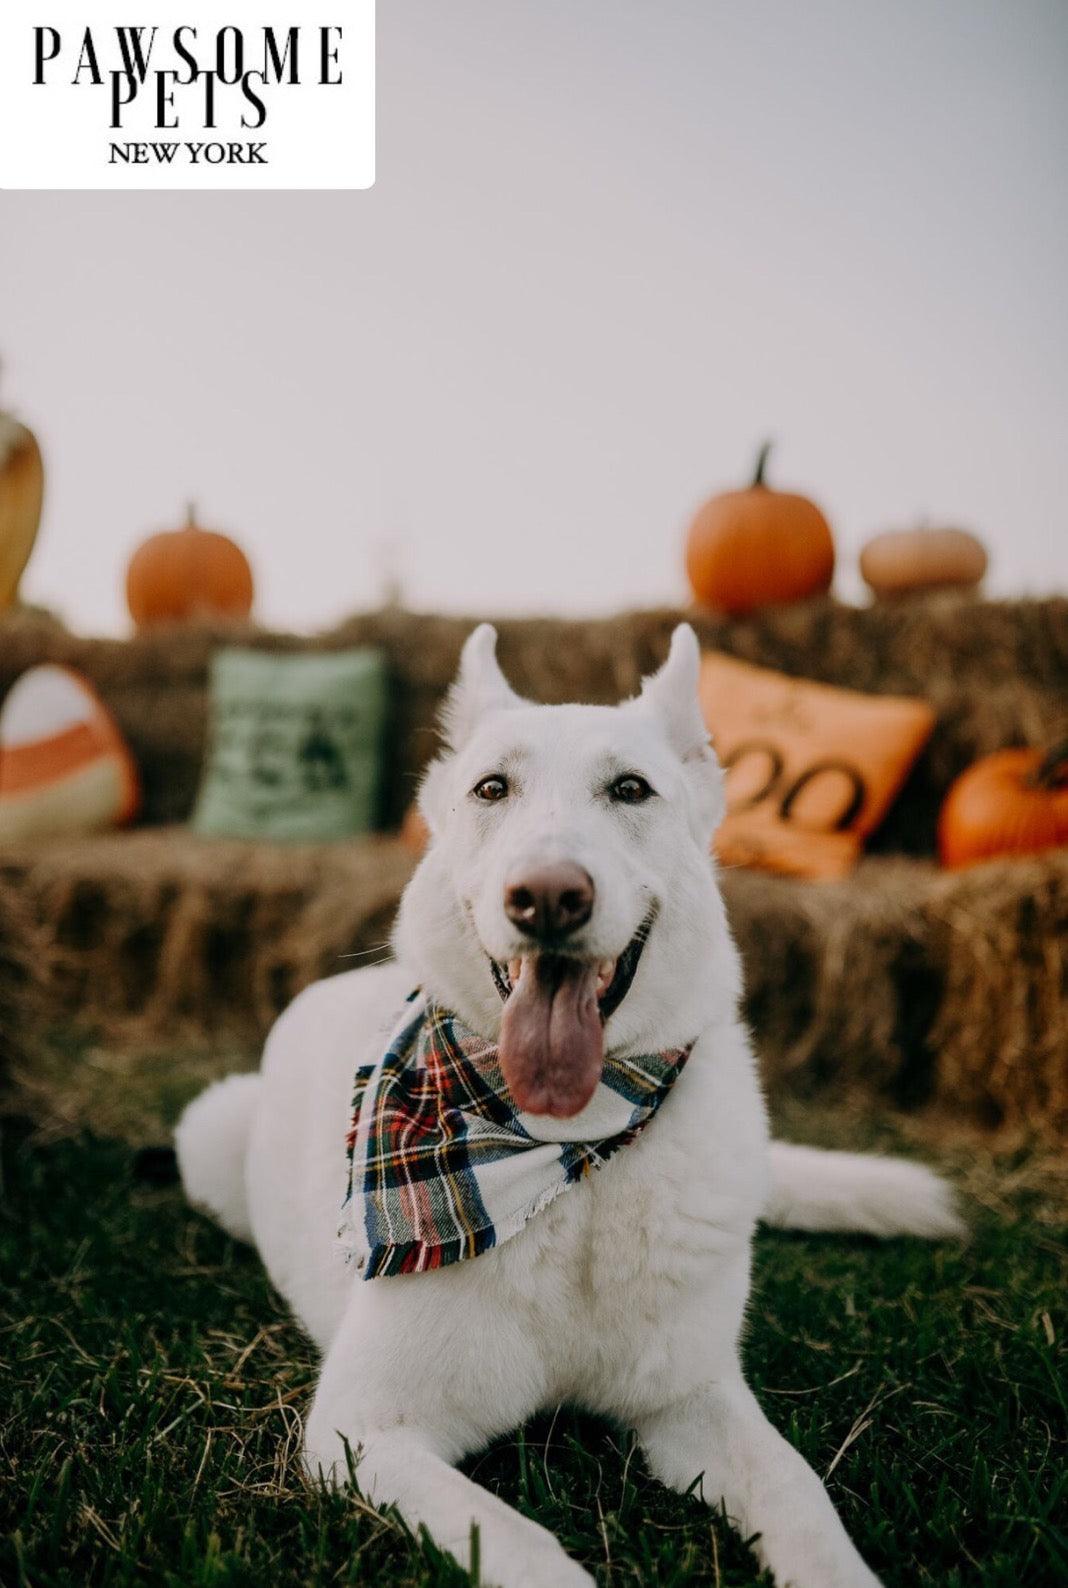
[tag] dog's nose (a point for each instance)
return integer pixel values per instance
(549, 901)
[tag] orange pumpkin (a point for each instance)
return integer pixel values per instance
(750, 548)
(188, 573)
(1014, 802)
(901, 561)
(21, 495)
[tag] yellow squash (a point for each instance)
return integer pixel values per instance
(21, 495)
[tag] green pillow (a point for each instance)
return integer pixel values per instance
(294, 745)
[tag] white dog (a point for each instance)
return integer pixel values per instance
(565, 926)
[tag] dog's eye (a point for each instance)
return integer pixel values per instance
(630, 789)
(491, 788)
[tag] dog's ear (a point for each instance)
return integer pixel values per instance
(672, 694)
(480, 686)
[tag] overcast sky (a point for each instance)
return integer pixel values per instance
(612, 245)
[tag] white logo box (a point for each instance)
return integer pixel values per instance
(230, 63)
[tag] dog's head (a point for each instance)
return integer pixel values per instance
(567, 897)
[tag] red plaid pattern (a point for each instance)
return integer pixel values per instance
(440, 1167)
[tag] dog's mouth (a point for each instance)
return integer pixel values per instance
(552, 1029)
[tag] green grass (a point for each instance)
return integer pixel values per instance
(151, 1389)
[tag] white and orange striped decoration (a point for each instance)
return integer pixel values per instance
(64, 766)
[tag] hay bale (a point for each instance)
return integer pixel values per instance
(997, 673)
(1001, 1030)
(840, 989)
(164, 933)
(902, 981)
(20, 991)
(916, 984)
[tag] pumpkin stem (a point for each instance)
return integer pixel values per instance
(1053, 772)
(190, 515)
(762, 463)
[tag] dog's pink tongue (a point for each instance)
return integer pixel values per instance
(552, 1040)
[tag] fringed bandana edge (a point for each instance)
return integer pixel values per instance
(441, 1165)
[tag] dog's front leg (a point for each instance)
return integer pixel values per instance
(721, 1435)
(399, 1467)
(405, 1410)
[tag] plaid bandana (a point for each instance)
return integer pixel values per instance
(442, 1166)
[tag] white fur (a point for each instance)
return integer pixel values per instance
(211, 1142)
(628, 1294)
(813, 1190)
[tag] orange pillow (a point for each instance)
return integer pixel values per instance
(811, 770)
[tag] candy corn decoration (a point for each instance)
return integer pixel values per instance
(64, 766)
